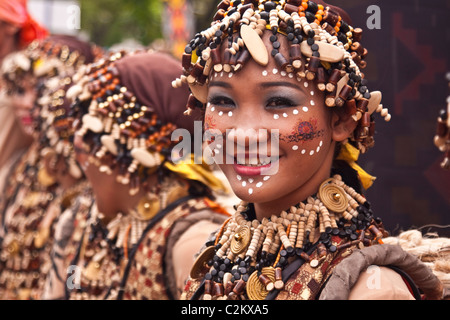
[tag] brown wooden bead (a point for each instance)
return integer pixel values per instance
(239, 287)
(245, 7)
(289, 8)
(335, 76)
(197, 70)
(220, 14)
(345, 92)
(208, 287)
(218, 289)
(186, 61)
(357, 34)
(295, 2)
(224, 4)
(244, 56)
(362, 104)
(295, 52)
(281, 61)
(215, 56)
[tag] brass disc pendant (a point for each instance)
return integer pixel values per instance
(241, 239)
(148, 207)
(44, 178)
(256, 290)
(333, 196)
(200, 265)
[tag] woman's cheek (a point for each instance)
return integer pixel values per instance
(305, 136)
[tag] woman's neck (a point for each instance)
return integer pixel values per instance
(113, 197)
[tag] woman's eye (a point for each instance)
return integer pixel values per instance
(222, 102)
(280, 102)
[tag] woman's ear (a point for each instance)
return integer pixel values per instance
(342, 125)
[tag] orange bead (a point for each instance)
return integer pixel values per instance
(305, 5)
(318, 17)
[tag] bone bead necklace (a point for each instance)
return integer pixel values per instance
(248, 257)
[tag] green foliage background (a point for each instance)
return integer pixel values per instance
(108, 22)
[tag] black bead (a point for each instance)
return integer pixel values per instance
(332, 248)
(273, 38)
(269, 5)
(310, 41)
(276, 45)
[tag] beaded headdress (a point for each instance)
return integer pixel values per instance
(322, 47)
(51, 62)
(126, 133)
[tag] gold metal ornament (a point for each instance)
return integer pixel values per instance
(256, 290)
(333, 196)
(148, 206)
(200, 264)
(241, 239)
(44, 178)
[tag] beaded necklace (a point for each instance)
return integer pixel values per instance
(248, 257)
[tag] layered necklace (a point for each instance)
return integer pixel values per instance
(108, 248)
(248, 257)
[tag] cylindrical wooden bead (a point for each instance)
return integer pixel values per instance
(186, 61)
(281, 61)
(357, 34)
(218, 289)
(239, 287)
(266, 282)
(343, 94)
(289, 8)
(362, 104)
(335, 76)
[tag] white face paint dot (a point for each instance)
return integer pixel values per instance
(299, 79)
(295, 111)
(318, 148)
(213, 108)
(305, 109)
(312, 92)
(283, 73)
(306, 84)
(295, 148)
(230, 113)
(275, 71)
(250, 191)
(320, 143)
(266, 178)
(264, 73)
(239, 177)
(259, 184)
(303, 151)
(311, 152)
(220, 113)
(276, 116)
(230, 74)
(291, 75)
(285, 115)
(250, 180)
(244, 183)
(312, 102)
(208, 105)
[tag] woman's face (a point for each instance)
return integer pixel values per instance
(263, 111)
(24, 104)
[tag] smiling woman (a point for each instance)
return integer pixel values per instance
(290, 70)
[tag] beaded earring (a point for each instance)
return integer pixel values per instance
(322, 48)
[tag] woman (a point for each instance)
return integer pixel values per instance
(17, 30)
(281, 87)
(127, 240)
(44, 179)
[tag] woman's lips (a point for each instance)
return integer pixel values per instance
(256, 170)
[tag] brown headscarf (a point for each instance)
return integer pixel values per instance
(149, 77)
